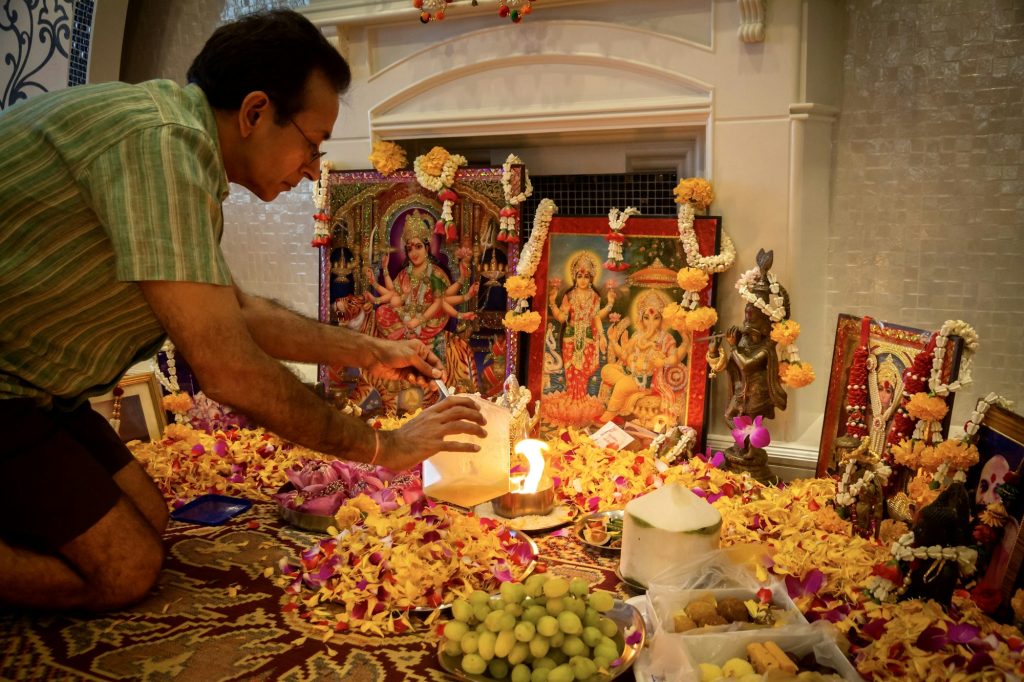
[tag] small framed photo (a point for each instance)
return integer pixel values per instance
(1000, 444)
(141, 414)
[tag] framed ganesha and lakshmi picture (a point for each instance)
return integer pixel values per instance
(603, 352)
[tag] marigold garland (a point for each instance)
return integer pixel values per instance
(692, 279)
(436, 171)
(521, 318)
(701, 319)
(387, 157)
(922, 406)
(796, 374)
(528, 321)
(696, 191)
(785, 332)
(520, 287)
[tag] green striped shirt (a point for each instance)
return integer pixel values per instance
(101, 186)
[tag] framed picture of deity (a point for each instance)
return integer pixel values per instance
(137, 411)
(997, 478)
(891, 349)
(390, 271)
(603, 351)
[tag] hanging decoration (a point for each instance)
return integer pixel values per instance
(514, 9)
(178, 401)
(435, 171)
(322, 217)
(431, 10)
(616, 221)
(434, 10)
(522, 285)
(507, 230)
(693, 194)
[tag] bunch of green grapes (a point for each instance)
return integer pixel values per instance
(547, 629)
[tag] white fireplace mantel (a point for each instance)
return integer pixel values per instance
(679, 75)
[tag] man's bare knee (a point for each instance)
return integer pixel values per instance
(126, 584)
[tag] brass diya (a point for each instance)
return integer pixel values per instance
(511, 505)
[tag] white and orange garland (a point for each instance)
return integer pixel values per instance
(507, 224)
(980, 410)
(970, 337)
(436, 171)
(720, 262)
(688, 315)
(522, 286)
(322, 217)
(616, 221)
(785, 332)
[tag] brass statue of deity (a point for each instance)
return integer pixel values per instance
(752, 364)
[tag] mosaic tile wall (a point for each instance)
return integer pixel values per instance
(928, 197)
(81, 36)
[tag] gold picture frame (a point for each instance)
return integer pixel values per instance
(142, 414)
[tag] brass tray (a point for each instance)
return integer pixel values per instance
(603, 518)
(624, 615)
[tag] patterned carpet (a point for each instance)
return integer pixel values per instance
(214, 616)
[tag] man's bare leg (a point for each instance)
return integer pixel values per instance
(113, 564)
(144, 494)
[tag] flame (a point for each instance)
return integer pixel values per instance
(533, 450)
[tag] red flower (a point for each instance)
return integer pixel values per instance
(889, 571)
(615, 237)
(984, 534)
(987, 597)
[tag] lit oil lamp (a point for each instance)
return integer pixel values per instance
(525, 497)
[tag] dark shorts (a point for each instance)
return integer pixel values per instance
(57, 472)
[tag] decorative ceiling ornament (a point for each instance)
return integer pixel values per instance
(514, 9)
(431, 10)
(434, 10)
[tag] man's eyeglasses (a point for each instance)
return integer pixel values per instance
(314, 151)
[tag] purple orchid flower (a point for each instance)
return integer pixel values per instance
(811, 583)
(750, 431)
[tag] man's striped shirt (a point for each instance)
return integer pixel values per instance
(101, 186)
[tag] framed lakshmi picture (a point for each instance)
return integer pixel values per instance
(603, 352)
(997, 478)
(391, 273)
(891, 349)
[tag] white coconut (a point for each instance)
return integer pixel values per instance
(668, 527)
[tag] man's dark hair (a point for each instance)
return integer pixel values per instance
(272, 51)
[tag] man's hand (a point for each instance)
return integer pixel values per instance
(424, 434)
(409, 360)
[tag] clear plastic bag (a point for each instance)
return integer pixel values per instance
(728, 567)
(679, 660)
